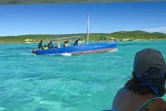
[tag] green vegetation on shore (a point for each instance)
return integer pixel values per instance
(121, 36)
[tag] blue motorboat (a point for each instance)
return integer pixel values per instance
(79, 49)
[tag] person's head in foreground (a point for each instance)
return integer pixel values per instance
(144, 90)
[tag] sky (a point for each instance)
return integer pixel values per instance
(72, 18)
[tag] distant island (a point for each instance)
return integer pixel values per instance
(120, 36)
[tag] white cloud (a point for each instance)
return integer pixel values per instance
(156, 29)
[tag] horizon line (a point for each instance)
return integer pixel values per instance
(84, 33)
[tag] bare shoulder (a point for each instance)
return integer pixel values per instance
(159, 105)
(119, 92)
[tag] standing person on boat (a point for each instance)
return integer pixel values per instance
(77, 42)
(58, 44)
(40, 46)
(144, 90)
(50, 45)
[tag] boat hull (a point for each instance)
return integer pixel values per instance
(80, 49)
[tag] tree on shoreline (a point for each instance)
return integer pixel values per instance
(121, 35)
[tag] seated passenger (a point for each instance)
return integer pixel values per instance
(50, 45)
(77, 42)
(66, 44)
(40, 44)
(45, 47)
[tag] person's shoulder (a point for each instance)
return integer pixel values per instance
(159, 105)
(119, 91)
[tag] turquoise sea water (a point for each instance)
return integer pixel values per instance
(86, 82)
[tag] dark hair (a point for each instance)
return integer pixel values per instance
(66, 41)
(134, 82)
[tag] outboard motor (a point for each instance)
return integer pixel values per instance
(34, 51)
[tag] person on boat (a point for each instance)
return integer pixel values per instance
(77, 42)
(144, 90)
(58, 44)
(50, 45)
(40, 46)
(45, 47)
(66, 44)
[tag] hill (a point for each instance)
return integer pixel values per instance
(121, 36)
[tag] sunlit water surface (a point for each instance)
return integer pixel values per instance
(86, 82)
